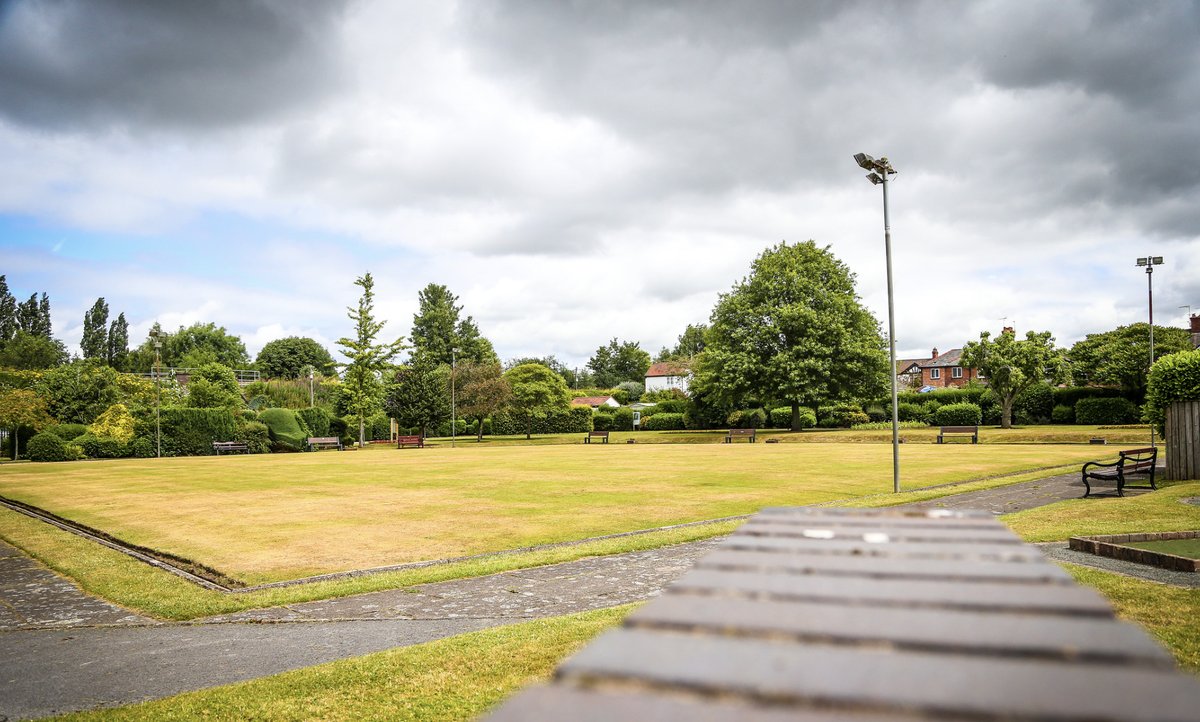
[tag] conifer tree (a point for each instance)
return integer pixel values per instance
(118, 343)
(94, 343)
(362, 382)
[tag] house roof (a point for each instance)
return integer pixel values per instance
(950, 358)
(667, 368)
(590, 400)
(904, 365)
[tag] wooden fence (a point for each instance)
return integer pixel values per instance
(1183, 440)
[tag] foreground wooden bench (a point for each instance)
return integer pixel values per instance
(972, 431)
(323, 442)
(223, 446)
(865, 616)
(417, 441)
(748, 434)
(595, 435)
(1132, 461)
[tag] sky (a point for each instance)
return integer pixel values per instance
(578, 171)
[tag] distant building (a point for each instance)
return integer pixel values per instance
(595, 401)
(667, 375)
(939, 371)
(1195, 319)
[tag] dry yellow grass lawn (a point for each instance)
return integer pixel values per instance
(273, 517)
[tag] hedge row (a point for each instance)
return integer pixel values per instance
(575, 419)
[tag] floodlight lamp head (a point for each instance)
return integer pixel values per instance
(864, 161)
(874, 178)
(1143, 261)
(1157, 260)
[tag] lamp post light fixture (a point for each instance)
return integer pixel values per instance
(1149, 262)
(879, 171)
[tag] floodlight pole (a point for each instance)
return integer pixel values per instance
(1150, 262)
(157, 397)
(880, 170)
(453, 409)
(311, 373)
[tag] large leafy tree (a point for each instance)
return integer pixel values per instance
(1121, 357)
(481, 391)
(22, 407)
(362, 375)
(289, 358)
(192, 347)
(536, 392)
(575, 378)
(619, 361)
(418, 396)
(94, 343)
(792, 332)
(1011, 365)
(214, 386)
(33, 351)
(79, 391)
(118, 343)
(438, 327)
(689, 345)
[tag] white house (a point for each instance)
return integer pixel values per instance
(667, 375)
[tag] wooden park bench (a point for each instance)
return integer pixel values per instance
(323, 442)
(595, 435)
(972, 431)
(417, 441)
(1131, 461)
(854, 614)
(220, 446)
(748, 434)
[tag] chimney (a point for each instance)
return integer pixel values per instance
(1009, 329)
(935, 353)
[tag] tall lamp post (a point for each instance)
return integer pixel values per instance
(157, 394)
(453, 409)
(311, 373)
(1150, 262)
(879, 171)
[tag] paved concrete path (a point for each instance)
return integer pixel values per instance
(65, 650)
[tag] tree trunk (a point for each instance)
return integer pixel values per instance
(529, 427)
(362, 433)
(479, 434)
(795, 416)
(1006, 405)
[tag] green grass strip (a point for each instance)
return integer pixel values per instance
(456, 678)
(1158, 511)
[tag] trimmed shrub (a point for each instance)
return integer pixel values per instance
(47, 446)
(663, 422)
(602, 421)
(102, 447)
(748, 419)
(781, 417)
(671, 406)
(443, 429)
(634, 390)
(911, 412)
(190, 432)
(875, 425)
(876, 413)
(574, 419)
(115, 423)
(962, 414)
(989, 407)
(68, 432)
(1062, 414)
(1070, 395)
(1102, 410)
(257, 437)
(622, 419)
(285, 429)
(339, 428)
(1175, 377)
(841, 416)
(1036, 403)
(141, 448)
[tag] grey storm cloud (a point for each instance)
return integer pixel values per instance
(70, 64)
(774, 95)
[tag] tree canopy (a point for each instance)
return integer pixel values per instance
(362, 385)
(1121, 357)
(574, 377)
(214, 386)
(418, 395)
(481, 391)
(22, 407)
(94, 342)
(31, 351)
(33, 316)
(619, 361)
(118, 343)
(536, 392)
(191, 347)
(792, 332)
(437, 328)
(289, 358)
(1011, 366)
(8, 314)
(689, 345)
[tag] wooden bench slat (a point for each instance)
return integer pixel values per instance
(958, 631)
(885, 566)
(749, 434)
(417, 441)
(1129, 461)
(907, 532)
(899, 680)
(931, 550)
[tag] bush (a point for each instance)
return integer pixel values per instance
(621, 395)
(875, 425)
(574, 419)
(47, 446)
(68, 432)
(962, 414)
(339, 428)
(672, 406)
(876, 413)
(189, 432)
(378, 427)
(781, 418)
(663, 422)
(989, 407)
(633, 389)
(257, 437)
(115, 423)
(911, 412)
(602, 421)
(748, 419)
(285, 429)
(1102, 410)
(622, 419)
(102, 447)
(841, 416)
(1035, 402)
(443, 428)
(1175, 377)
(141, 447)
(1062, 414)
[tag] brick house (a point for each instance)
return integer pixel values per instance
(944, 370)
